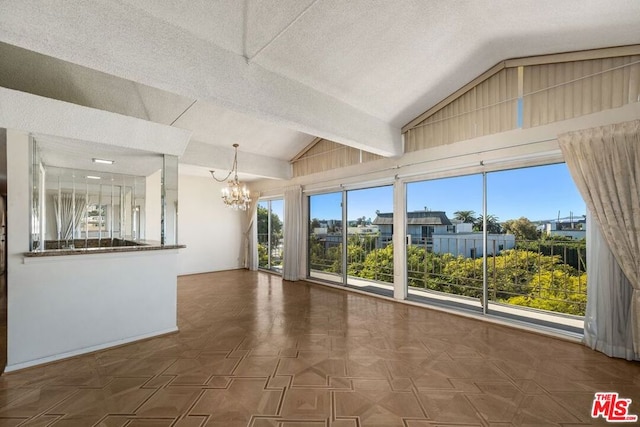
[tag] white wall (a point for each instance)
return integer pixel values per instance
(458, 244)
(211, 231)
(63, 306)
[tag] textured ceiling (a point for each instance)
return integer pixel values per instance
(76, 155)
(273, 74)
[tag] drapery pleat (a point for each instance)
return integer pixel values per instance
(292, 233)
(605, 165)
(250, 235)
(607, 323)
(69, 210)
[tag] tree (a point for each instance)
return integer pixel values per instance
(263, 227)
(530, 275)
(557, 290)
(465, 216)
(263, 255)
(378, 265)
(493, 224)
(323, 257)
(315, 223)
(522, 228)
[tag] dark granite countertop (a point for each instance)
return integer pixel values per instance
(139, 247)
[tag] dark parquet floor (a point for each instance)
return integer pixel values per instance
(256, 351)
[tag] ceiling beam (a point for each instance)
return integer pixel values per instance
(46, 116)
(122, 40)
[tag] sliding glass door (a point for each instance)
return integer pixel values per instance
(510, 243)
(444, 241)
(540, 260)
(369, 257)
(270, 234)
(363, 218)
(325, 237)
(521, 255)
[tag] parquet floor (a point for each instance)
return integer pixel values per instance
(255, 351)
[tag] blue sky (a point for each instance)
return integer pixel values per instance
(537, 193)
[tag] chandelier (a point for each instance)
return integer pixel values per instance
(235, 195)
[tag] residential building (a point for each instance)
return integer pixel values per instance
(421, 225)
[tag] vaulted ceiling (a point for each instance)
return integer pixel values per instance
(272, 75)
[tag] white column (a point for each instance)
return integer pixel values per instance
(18, 217)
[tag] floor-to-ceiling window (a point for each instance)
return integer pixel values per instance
(510, 243)
(270, 234)
(325, 236)
(534, 265)
(444, 240)
(364, 219)
(542, 264)
(369, 260)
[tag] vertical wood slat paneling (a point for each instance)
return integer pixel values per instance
(633, 77)
(327, 155)
(563, 91)
(487, 108)
(552, 92)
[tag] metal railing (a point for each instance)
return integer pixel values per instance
(546, 274)
(269, 257)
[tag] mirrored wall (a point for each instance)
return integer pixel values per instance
(75, 208)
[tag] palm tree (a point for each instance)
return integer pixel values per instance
(465, 216)
(493, 224)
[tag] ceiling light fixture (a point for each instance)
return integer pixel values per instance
(103, 161)
(235, 195)
(93, 177)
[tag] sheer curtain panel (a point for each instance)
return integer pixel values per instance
(607, 323)
(250, 234)
(69, 211)
(605, 165)
(292, 233)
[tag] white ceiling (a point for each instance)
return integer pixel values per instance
(272, 75)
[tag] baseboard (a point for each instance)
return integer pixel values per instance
(86, 350)
(195, 273)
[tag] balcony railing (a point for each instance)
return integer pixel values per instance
(269, 257)
(544, 274)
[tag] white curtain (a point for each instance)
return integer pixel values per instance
(69, 213)
(607, 326)
(605, 165)
(292, 233)
(250, 234)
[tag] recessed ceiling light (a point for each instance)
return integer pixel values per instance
(103, 161)
(92, 177)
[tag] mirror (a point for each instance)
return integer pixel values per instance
(75, 208)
